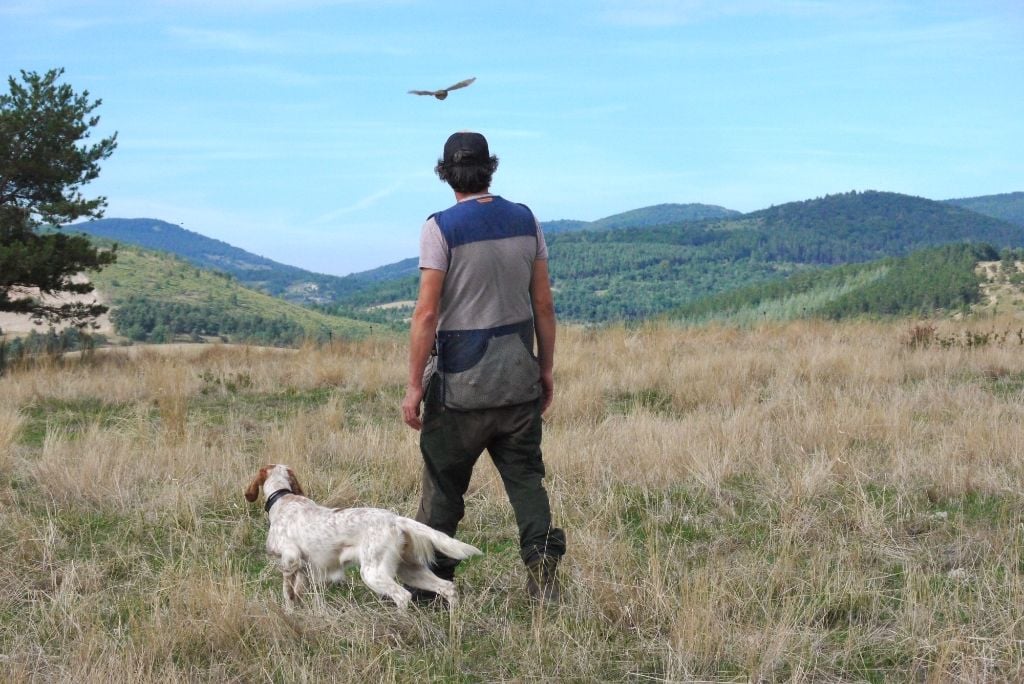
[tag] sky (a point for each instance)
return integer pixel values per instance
(284, 127)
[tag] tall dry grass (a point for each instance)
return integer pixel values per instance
(797, 502)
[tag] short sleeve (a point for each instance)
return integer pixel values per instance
(433, 248)
(542, 245)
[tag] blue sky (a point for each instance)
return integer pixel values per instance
(284, 126)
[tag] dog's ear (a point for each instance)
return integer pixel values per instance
(253, 491)
(293, 484)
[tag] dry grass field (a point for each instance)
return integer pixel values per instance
(796, 502)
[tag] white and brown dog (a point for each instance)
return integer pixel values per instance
(305, 537)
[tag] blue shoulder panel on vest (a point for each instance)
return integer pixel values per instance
(487, 218)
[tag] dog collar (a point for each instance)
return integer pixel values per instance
(272, 499)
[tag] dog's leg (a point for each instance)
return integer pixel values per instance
(293, 580)
(298, 584)
(287, 593)
(422, 578)
(378, 563)
(385, 584)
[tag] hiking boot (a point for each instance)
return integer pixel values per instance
(542, 580)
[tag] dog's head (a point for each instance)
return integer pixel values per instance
(279, 476)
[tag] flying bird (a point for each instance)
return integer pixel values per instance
(443, 93)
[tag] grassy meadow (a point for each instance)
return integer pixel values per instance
(798, 501)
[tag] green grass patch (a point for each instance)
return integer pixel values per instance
(651, 399)
(70, 415)
(1009, 386)
(665, 516)
(981, 508)
(875, 662)
(222, 400)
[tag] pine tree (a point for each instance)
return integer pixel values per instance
(44, 163)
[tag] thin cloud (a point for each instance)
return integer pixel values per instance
(360, 205)
(660, 13)
(983, 35)
(249, 6)
(223, 40)
(288, 43)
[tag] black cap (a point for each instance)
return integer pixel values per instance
(466, 147)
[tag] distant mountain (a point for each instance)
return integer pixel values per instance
(637, 265)
(636, 218)
(635, 273)
(1006, 207)
(399, 269)
(646, 216)
(256, 272)
(859, 226)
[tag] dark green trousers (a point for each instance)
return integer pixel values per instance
(452, 441)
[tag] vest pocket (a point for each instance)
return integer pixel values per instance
(506, 373)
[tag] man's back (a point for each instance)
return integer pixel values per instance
(487, 247)
(491, 246)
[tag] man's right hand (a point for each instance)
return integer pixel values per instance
(547, 386)
(411, 407)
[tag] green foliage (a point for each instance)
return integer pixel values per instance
(787, 299)
(256, 272)
(641, 272)
(42, 171)
(929, 280)
(855, 227)
(646, 216)
(924, 282)
(148, 320)
(50, 342)
(158, 298)
(1006, 207)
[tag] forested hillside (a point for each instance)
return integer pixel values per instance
(256, 272)
(646, 216)
(1006, 207)
(156, 297)
(634, 273)
(926, 282)
(638, 273)
(631, 273)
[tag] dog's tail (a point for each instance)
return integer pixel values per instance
(425, 542)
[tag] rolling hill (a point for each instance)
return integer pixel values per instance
(646, 216)
(256, 272)
(1005, 207)
(630, 272)
(158, 297)
(926, 282)
(635, 273)
(306, 287)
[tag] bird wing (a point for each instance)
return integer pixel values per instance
(461, 84)
(422, 92)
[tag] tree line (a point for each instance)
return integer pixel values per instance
(148, 320)
(923, 283)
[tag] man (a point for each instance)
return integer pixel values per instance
(484, 296)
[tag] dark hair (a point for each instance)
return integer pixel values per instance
(467, 178)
